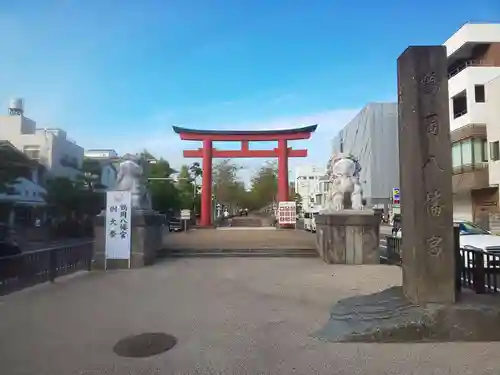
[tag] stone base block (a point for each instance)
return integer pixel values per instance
(348, 237)
(388, 316)
(146, 241)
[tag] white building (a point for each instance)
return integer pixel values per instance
(49, 146)
(473, 71)
(307, 178)
(106, 158)
(98, 154)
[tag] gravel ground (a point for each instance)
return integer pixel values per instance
(230, 316)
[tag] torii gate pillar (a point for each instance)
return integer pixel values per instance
(283, 170)
(207, 153)
(206, 187)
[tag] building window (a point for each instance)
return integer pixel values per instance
(33, 152)
(456, 155)
(468, 154)
(494, 150)
(459, 104)
(466, 151)
(480, 93)
(479, 150)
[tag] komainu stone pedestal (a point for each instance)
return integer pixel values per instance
(147, 240)
(388, 316)
(348, 237)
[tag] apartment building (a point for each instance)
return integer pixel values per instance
(306, 184)
(51, 147)
(474, 91)
(372, 137)
(107, 158)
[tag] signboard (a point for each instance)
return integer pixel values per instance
(118, 220)
(185, 214)
(395, 196)
(287, 212)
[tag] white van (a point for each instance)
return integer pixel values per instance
(309, 222)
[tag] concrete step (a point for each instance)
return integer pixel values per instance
(246, 223)
(241, 255)
(271, 253)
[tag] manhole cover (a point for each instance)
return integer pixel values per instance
(144, 345)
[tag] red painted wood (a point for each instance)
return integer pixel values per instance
(206, 189)
(229, 154)
(283, 155)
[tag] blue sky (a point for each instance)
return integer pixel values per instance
(118, 74)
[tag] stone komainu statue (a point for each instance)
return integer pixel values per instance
(343, 171)
(130, 177)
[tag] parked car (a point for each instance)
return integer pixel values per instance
(175, 224)
(474, 237)
(8, 244)
(10, 265)
(309, 222)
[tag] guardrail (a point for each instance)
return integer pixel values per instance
(35, 267)
(476, 269)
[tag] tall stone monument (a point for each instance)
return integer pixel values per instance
(146, 225)
(346, 233)
(425, 176)
(423, 309)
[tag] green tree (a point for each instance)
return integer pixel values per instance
(264, 186)
(91, 174)
(226, 187)
(164, 194)
(62, 195)
(186, 188)
(195, 170)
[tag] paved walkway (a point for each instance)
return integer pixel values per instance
(230, 316)
(238, 238)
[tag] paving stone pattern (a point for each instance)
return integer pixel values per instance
(230, 316)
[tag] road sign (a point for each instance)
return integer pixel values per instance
(395, 196)
(287, 212)
(185, 214)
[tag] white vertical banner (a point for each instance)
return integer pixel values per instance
(118, 221)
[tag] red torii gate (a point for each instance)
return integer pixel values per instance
(207, 153)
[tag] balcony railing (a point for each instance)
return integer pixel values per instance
(470, 167)
(467, 64)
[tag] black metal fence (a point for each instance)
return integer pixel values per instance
(35, 267)
(476, 269)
